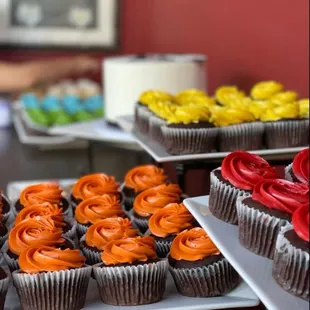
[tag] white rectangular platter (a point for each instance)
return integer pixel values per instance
(254, 269)
(242, 296)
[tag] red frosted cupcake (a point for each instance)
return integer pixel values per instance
(270, 207)
(239, 173)
(291, 259)
(299, 171)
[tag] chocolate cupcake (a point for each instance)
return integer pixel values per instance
(262, 215)
(299, 171)
(166, 223)
(197, 266)
(41, 193)
(96, 184)
(51, 278)
(139, 179)
(291, 259)
(151, 200)
(239, 172)
(5, 207)
(4, 285)
(94, 209)
(129, 265)
(100, 233)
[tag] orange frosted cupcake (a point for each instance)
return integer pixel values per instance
(51, 278)
(102, 232)
(129, 264)
(139, 179)
(40, 193)
(153, 199)
(197, 266)
(96, 208)
(166, 223)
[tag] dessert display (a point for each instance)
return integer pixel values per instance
(239, 173)
(127, 265)
(298, 170)
(192, 122)
(197, 266)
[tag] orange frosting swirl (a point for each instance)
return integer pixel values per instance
(192, 245)
(96, 184)
(153, 199)
(41, 210)
(34, 232)
(104, 231)
(144, 177)
(41, 258)
(97, 208)
(129, 250)
(39, 193)
(170, 220)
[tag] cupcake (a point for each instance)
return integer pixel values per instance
(4, 285)
(102, 232)
(225, 94)
(94, 209)
(96, 184)
(3, 233)
(299, 170)
(40, 193)
(197, 266)
(262, 215)
(266, 89)
(51, 278)
(129, 265)
(291, 259)
(239, 173)
(139, 179)
(190, 131)
(166, 223)
(153, 199)
(5, 207)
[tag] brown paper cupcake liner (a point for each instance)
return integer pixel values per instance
(208, 281)
(131, 285)
(257, 230)
(61, 290)
(287, 133)
(246, 136)
(72, 232)
(6, 216)
(143, 119)
(3, 239)
(162, 248)
(81, 230)
(92, 257)
(222, 199)
(127, 201)
(141, 223)
(4, 285)
(189, 141)
(155, 132)
(291, 266)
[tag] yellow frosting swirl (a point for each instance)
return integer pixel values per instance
(194, 97)
(266, 89)
(152, 96)
(225, 94)
(163, 109)
(285, 96)
(303, 108)
(274, 111)
(190, 114)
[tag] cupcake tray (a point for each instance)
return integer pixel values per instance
(255, 270)
(241, 296)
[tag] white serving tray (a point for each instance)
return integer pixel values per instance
(255, 270)
(242, 296)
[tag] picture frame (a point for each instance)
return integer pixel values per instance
(68, 24)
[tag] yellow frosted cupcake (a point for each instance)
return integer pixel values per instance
(265, 90)
(225, 94)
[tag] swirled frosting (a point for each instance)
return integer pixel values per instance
(225, 94)
(153, 199)
(40, 258)
(301, 167)
(43, 192)
(100, 233)
(97, 208)
(266, 89)
(284, 97)
(192, 245)
(300, 221)
(188, 114)
(170, 220)
(281, 194)
(275, 111)
(303, 105)
(95, 184)
(152, 96)
(41, 210)
(129, 250)
(194, 97)
(144, 177)
(244, 170)
(34, 232)
(163, 109)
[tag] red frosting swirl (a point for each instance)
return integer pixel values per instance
(300, 222)
(301, 166)
(244, 170)
(281, 194)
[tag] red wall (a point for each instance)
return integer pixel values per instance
(246, 40)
